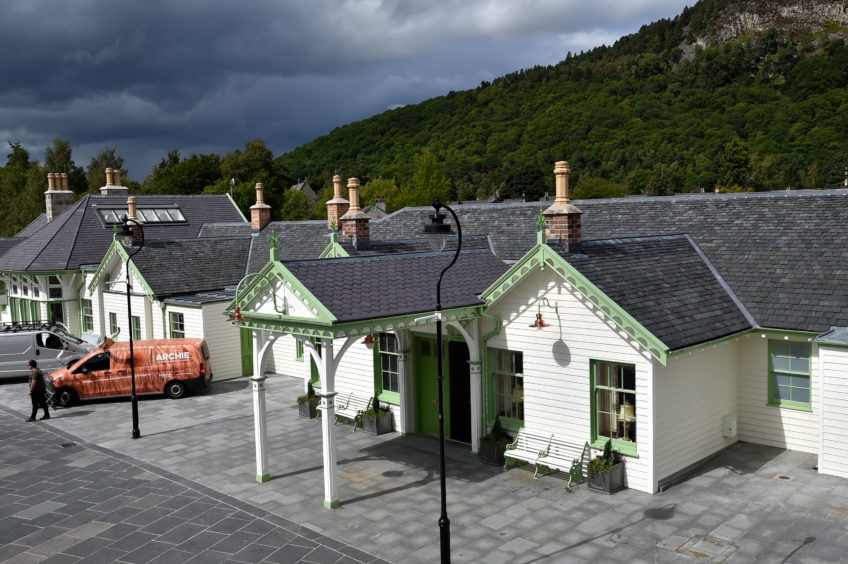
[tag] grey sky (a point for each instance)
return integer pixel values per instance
(148, 77)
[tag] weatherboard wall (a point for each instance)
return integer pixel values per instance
(767, 424)
(557, 364)
(223, 340)
(833, 458)
(694, 392)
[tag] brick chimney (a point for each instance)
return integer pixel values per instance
(113, 184)
(260, 212)
(355, 223)
(132, 213)
(57, 198)
(338, 206)
(562, 219)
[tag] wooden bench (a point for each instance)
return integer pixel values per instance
(350, 406)
(548, 452)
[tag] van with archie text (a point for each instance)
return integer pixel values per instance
(162, 366)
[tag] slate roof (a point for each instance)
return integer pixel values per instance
(299, 240)
(78, 237)
(665, 284)
(784, 254)
(189, 266)
(6, 243)
(391, 247)
(360, 288)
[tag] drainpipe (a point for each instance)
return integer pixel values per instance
(484, 359)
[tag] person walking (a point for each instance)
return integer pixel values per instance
(37, 389)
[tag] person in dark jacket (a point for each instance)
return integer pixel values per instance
(37, 389)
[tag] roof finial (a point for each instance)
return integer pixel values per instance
(274, 240)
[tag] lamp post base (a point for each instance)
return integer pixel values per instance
(444, 538)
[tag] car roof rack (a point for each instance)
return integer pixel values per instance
(16, 326)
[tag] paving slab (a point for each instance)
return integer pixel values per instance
(187, 488)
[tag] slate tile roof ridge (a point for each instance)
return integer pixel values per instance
(373, 258)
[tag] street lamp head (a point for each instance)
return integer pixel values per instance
(437, 231)
(128, 235)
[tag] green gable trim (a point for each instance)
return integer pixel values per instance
(541, 257)
(265, 278)
(235, 205)
(42, 272)
(314, 328)
(333, 250)
(116, 248)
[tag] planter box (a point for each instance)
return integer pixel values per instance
(492, 452)
(382, 423)
(308, 408)
(608, 482)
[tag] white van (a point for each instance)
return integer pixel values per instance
(51, 345)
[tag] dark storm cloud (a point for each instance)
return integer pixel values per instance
(147, 77)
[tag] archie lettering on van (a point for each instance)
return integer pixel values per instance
(164, 357)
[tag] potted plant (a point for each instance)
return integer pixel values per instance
(606, 471)
(493, 444)
(307, 405)
(378, 418)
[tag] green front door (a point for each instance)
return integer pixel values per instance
(246, 352)
(427, 387)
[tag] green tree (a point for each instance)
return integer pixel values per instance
(58, 158)
(296, 206)
(734, 166)
(189, 176)
(386, 188)
(428, 184)
(96, 171)
(592, 187)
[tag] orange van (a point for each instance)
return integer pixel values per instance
(168, 366)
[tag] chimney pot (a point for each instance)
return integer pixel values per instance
(109, 180)
(338, 206)
(353, 194)
(562, 218)
(51, 179)
(64, 181)
(116, 176)
(260, 212)
(131, 208)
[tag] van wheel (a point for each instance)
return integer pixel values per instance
(175, 389)
(66, 397)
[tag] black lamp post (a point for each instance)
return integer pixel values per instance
(438, 233)
(131, 241)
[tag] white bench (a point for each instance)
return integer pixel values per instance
(548, 452)
(350, 406)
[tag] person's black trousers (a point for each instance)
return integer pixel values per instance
(38, 401)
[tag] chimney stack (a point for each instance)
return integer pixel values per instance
(57, 198)
(338, 206)
(113, 184)
(260, 212)
(355, 222)
(562, 219)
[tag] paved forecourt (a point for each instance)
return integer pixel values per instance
(750, 504)
(63, 499)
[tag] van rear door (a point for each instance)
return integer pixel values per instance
(15, 351)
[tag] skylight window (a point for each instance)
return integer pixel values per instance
(111, 216)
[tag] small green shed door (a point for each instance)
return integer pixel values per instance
(427, 388)
(246, 352)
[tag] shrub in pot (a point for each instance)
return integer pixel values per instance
(606, 471)
(378, 418)
(493, 444)
(307, 405)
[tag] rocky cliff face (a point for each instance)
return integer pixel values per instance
(757, 16)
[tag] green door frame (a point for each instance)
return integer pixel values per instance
(246, 337)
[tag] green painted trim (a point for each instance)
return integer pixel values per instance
(540, 257)
(831, 345)
(707, 344)
(772, 381)
(314, 328)
(624, 447)
(233, 202)
(261, 280)
(333, 250)
(117, 248)
(42, 272)
(785, 332)
(263, 478)
(335, 504)
(488, 419)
